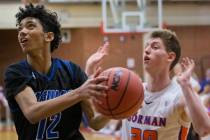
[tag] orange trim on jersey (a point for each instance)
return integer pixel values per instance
(183, 133)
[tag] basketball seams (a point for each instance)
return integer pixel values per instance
(133, 105)
(136, 103)
(107, 100)
(116, 115)
(121, 98)
(124, 91)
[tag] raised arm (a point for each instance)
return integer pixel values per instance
(95, 119)
(96, 58)
(194, 107)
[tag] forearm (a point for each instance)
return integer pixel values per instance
(99, 122)
(95, 120)
(89, 68)
(40, 110)
(197, 112)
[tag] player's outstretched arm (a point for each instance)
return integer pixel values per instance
(96, 58)
(195, 109)
(35, 111)
(95, 120)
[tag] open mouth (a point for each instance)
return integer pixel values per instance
(23, 41)
(146, 58)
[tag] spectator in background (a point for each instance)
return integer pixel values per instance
(3, 109)
(205, 95)
(205, 89)
(205, 84)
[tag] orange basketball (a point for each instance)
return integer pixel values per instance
(125, 94)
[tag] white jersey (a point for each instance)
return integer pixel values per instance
(158, 119)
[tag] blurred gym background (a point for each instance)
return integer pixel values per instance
(86, 24)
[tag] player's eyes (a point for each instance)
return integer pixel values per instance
(30, 26)
(19, 29)
(155, 46)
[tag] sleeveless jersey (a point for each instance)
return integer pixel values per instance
(158, 119)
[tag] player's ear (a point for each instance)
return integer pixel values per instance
(171, 56)
(49, 36)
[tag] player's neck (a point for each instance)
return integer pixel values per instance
(158, 82)
(41, 62)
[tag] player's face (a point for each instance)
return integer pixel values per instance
(155, 55)
(30, 34)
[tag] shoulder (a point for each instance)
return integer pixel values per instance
(65, 63)
(17, 71)
(18, 68)
(20, 64)
(70, 67)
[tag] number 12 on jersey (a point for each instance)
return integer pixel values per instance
(138, 134)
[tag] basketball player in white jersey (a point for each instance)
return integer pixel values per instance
(168, 107)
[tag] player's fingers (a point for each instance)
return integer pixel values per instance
(97, 94)
(105, 48)
(100, 87)
(184, 60)
(99, 79)
(192, 61)
(100, 48)
(184, 63)
(97, 101)
(97, 72)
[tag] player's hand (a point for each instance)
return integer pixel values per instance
(95, 59)
(93, 87)
(187, 69)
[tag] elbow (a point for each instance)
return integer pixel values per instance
(32, 121)
(205, 130)
(31, 118)
(95, 127)
(203, 133)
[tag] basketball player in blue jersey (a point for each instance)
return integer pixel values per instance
(169, 106)
(46, 95)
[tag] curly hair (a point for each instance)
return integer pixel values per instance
(48, 20)
(170, 41)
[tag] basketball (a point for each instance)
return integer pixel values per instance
(125, 94)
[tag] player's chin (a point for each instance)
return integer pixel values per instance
(25, 50)
(146, 66)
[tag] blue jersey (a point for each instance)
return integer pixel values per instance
(62, 77)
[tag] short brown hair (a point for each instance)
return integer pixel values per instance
(170, 41)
